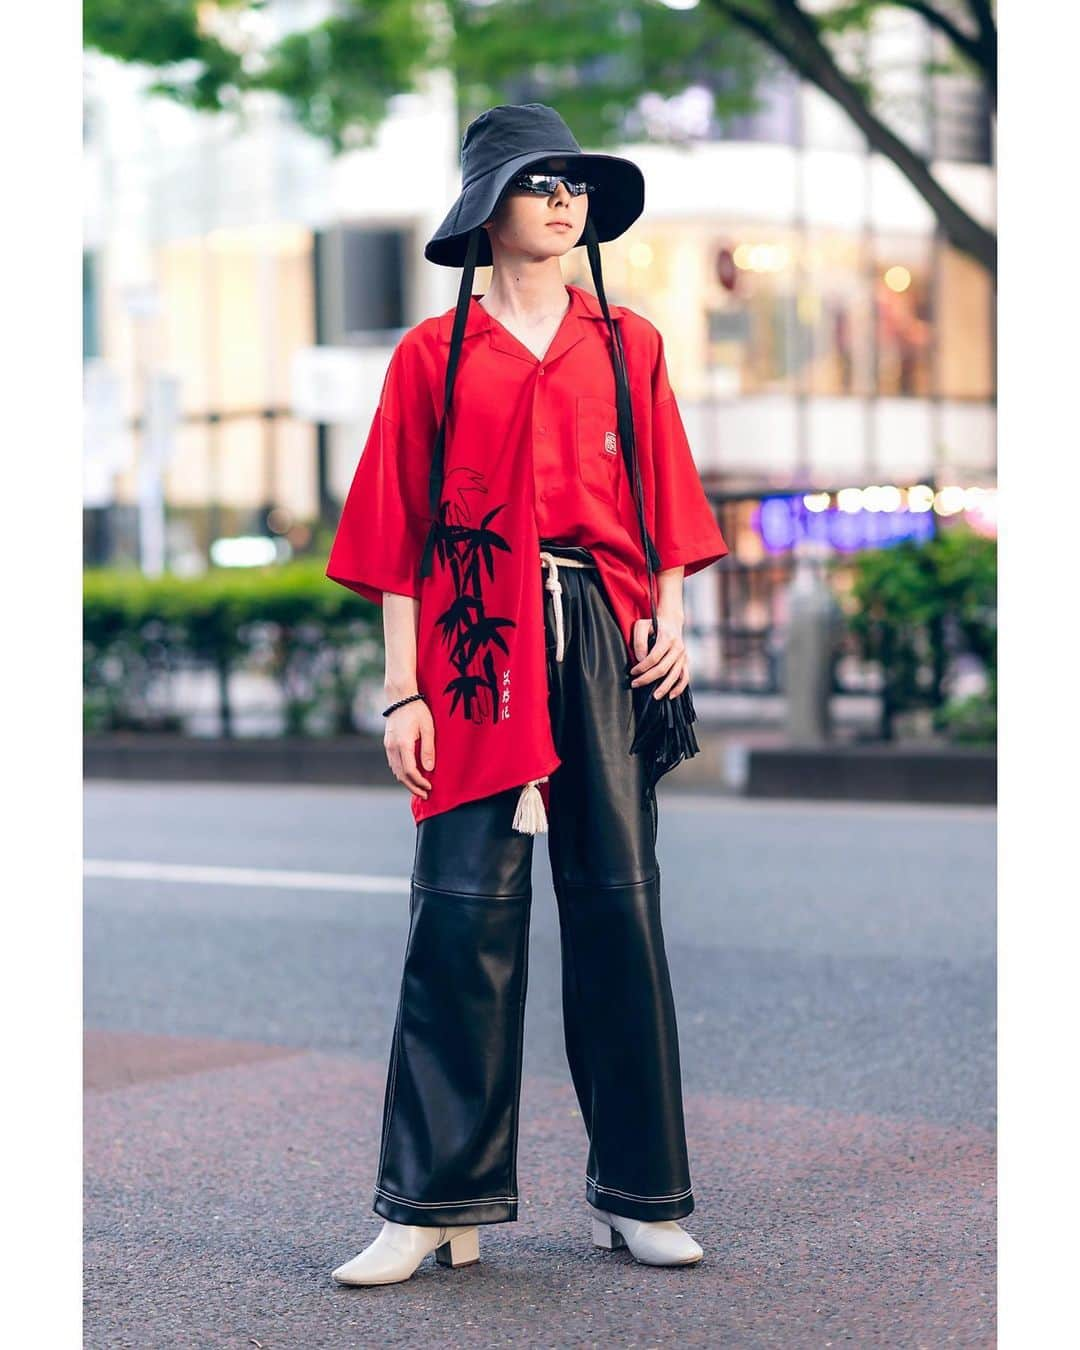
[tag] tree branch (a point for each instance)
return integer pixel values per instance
(967, 44)
(984, 17)
(979, 50)
(794, 35)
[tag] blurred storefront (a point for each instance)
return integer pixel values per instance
(820, 333)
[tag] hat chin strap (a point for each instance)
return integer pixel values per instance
(438, 456)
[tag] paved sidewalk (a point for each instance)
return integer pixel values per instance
(221, 1197)
(834, 979)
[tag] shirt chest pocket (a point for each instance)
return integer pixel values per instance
(599, 450)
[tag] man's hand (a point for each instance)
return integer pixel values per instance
(404, 727)
(667, 662)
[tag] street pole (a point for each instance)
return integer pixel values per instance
(810, 648)
(143, 305)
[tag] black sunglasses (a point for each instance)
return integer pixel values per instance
(544, 184)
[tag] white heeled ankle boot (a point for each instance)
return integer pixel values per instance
(399, 1249)
(659, 1243)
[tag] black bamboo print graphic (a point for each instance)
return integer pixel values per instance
(468, 550)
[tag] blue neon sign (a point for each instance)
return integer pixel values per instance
(781, 522)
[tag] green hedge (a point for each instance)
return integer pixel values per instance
(314, 637)
(912, 609)
(915, 607)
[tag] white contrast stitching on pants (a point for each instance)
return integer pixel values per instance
(445, 1204)
(648, 1199)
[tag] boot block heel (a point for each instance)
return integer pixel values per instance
(461, 1250)
(603, 1235)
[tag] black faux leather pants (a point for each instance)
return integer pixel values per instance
(448, 1152)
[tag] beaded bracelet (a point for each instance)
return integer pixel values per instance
(388, 711)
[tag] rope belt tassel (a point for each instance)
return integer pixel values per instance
(530, 816)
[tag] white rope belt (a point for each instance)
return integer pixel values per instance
(530, 816)
(552, 583)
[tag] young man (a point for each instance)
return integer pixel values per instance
(495, 517)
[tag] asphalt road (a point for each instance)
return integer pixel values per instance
(834, 980)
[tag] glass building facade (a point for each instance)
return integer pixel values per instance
(820, 332)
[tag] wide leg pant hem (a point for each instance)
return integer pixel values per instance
(651, 1209)
(434, 1215)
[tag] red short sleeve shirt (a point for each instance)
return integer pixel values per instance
(536, 437)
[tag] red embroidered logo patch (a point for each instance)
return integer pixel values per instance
(609, 442)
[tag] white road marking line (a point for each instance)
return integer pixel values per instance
(244, 876)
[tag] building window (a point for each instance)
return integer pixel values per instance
(754, 339)
(91, 296)
(374, 267)
(962, 119)
(904, 334)
(775, 120)
(90, 122)
(836, 311)
(965, 327)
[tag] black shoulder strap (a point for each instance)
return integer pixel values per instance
(624, 409)
(438, 456)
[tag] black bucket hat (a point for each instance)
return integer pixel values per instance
(498, 145)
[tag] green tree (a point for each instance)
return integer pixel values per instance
(339, 76)
(916, 606)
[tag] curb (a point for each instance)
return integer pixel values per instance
(960, 775)
(355, 761)
(954, 774)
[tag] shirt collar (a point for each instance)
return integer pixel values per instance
(583, 306)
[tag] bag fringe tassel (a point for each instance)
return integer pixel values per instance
(530, 816)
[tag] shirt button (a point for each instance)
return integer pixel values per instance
(540, 371)
(541, 430)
